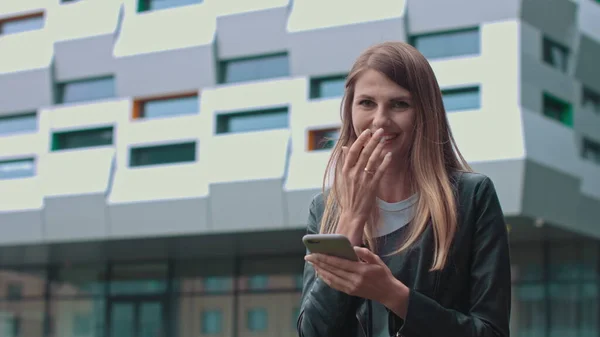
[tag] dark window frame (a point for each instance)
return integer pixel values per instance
(223, 119)
(316, 82)
(566, 115)
(222, 65)
(547, 46)
(55, 140)
(315, 134)
(137, 150)
(413, 38)
(463, 89)
(59, 89)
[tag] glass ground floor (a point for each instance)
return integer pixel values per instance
(555, 283)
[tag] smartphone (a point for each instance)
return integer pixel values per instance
(330, 244)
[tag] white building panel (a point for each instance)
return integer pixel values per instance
(25, 74)
(91, 17)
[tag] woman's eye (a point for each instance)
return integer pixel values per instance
(365, 103)
(400, 105)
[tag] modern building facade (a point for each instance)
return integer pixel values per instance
(157, 157)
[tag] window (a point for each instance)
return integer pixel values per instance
(14, 291)
(152, 5)
(298, 281)
(82, 138)
(163, 154)
(166, 107)
(217, 284)
(295, 316)
(85, 90)
(558, 110)
(212, 322)
(461, 99)
(591, 150)
(253, 120)
(257, 320)
(254, 68)
(258, 282)
(10, 324)
(17, 168)
(590, 100)
(448, 44)
(18, 124)
(326, 87)
(22, 24)
(322, 139)
(555, 54)
(82, 324)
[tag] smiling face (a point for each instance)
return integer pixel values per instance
(381, 103)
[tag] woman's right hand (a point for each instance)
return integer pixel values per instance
(363, 167)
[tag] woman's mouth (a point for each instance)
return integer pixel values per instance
(389, 137)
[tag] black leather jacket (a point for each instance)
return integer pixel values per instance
(470, 297)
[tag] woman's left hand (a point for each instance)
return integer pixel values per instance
(369, 278)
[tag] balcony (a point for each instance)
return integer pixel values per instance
(97, 22)
(323, 39)
(264, 27)
(168, 50)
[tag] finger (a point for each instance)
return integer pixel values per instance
(383, 167)
(355, 149)
(367, 256)
(368, 150)
(334, 281)
(337, 271)
(329, 262)
(375, 157)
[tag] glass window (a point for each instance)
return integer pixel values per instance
(82, 138)
(448, 44)
(78, 281)
(322, 139)
(299, 281)
(257, 319)
(590, 100)
(169, 107)
(138, 279)
(77, 317)
(17, 168)
(326, 87)
(218, 284)
(163, 154)
(258, 282)
(20, 25)
(212, 322)
(295, 315)
(85, 90)
(531, 306)
(22, 318)
(591, 150)
(15, 291)
(558, 110)
(16, 284)
(254, 68)
(555, 54)
(461, 99)
(253, 121)
(210, 277)
(18, 124)
(151, 5)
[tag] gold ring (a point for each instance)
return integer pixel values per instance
(369, 172)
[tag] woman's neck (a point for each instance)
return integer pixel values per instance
(395, 185)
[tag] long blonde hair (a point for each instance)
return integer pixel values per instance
(433, 153)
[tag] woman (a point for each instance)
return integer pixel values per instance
(437, 262)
